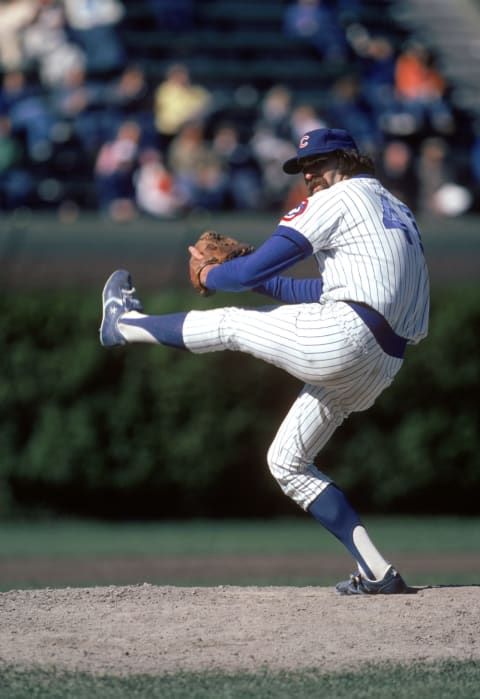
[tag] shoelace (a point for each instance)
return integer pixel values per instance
(356, 579)
(132, 303)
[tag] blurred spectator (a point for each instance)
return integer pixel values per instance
(242, 170)
(439, 192)
(128, 96)
(416, 76)
(79, 104)
(316, 23)
(271, 152)
(15, 15)
(197, 169)
(29, 114)
(47, 45)
(93, 24)
(275, 112)
(433, 172)
(348, 109)
(156, 192)
(115, 166)
(376, 59)
(396, 171)
(178, 101)
(421, 90)
(304, 118)
(16, 183)
(128, 93)
(272, 142)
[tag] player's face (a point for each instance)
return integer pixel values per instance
(314, 170)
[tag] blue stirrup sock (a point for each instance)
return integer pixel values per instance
(165, 329)
(332, 509)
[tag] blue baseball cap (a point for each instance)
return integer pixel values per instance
(318, 142)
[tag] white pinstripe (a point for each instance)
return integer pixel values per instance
(325, 345)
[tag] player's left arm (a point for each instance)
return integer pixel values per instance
(282, 250)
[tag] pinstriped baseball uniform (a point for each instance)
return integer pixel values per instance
(368, 250)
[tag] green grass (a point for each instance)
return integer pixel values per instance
(80, 538)
(441, 681)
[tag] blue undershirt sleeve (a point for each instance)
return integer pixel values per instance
(282, 250)
(289, 290)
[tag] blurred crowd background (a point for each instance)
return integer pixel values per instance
(157, 108)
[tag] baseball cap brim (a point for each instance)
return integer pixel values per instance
(294, 166)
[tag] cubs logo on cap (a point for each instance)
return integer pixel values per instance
(318, 142)
(304, 141)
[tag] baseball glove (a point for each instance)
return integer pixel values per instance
(215, 249)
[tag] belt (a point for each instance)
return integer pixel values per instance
(389, 341)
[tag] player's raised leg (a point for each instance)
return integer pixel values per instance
(270, 333)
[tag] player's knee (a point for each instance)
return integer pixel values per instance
(283, 465)
(271, 460)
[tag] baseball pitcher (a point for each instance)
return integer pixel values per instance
(342, 334)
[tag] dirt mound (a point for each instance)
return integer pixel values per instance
(158, 629)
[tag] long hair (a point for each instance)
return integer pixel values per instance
(351, 163)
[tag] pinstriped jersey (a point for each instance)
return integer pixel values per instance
(368, 249)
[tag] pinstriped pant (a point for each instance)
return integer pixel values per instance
(326, 346)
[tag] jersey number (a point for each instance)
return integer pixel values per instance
(392, 218)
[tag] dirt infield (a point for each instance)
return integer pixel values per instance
(146, 628)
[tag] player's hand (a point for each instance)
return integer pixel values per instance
(200, 265)
(210, 250)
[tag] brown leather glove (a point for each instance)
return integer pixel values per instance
(214, 249)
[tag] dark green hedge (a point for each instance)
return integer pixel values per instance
(155, 432)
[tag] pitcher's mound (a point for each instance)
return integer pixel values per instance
(158, 629)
